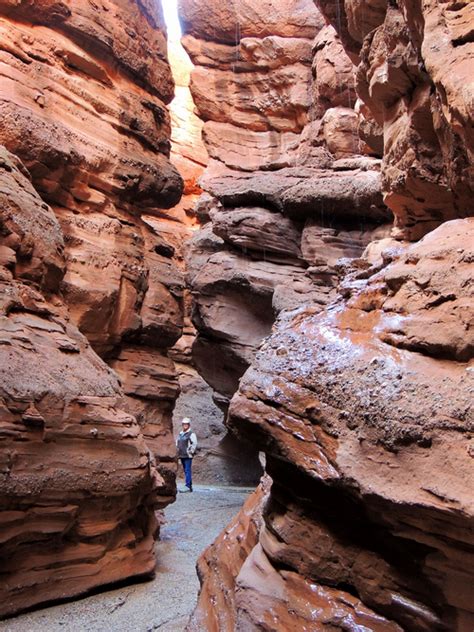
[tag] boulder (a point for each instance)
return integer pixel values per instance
(357, 425)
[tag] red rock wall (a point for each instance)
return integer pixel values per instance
(78, 484)
(364, 409)
(84, 104)
(365, 413)
(219, 564)
(221, 459)
(89, 256)
(415, 78)
(290, 186)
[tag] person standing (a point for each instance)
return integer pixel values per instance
(186, 444)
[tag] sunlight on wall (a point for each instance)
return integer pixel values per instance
(188, 153)
(170, 12)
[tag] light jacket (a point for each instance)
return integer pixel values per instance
(186, 444)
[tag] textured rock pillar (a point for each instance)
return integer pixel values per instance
(86, 456)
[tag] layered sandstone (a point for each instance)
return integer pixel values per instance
(415, 76)
(363, 406)
(367, 436)
(79, 484)
(290, 187)
(89, 256)
(84, 92)
(221, 457)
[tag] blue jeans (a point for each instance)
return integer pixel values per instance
(187, 462)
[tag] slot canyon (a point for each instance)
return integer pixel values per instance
(259, 216)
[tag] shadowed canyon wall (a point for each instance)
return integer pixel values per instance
(331, 291)
(290, 187)
(221, 458)
(90, 283)
(361, 393)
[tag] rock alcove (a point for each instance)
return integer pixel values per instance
(289, 242)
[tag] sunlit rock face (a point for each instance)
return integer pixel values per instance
(188, 152)
(290, 186)
(90, 267)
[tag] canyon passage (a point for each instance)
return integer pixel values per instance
(257, 215)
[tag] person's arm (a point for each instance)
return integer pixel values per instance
(192, 443)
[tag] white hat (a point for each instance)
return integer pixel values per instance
(186, 420)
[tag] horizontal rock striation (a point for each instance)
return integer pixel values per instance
(220, 455)
(414, 77)
(84, 97)
(366, 433)
(290, 187)
(362, 402)
(89, 255)
(78, 482)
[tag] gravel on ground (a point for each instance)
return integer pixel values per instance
(163, 603)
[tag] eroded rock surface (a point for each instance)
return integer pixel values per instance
(89, 267)
(220, 564)
(221, 458)
(317, 129)
(286, 161)
(361, 397)
(367, 439)
(78, 482)
(84, 96)
(416, 88)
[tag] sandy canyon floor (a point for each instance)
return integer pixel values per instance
(164, 603)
